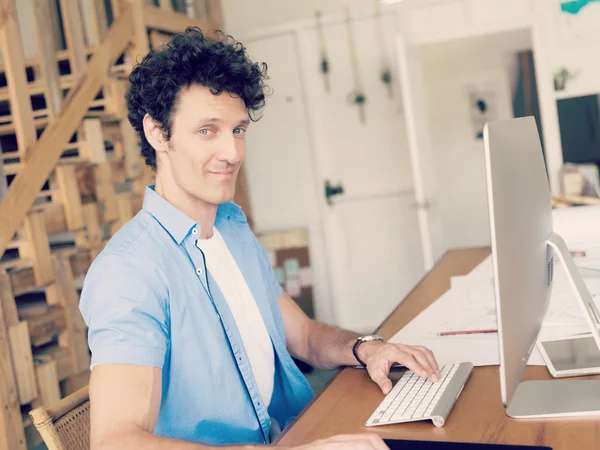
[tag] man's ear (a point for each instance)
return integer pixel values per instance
(154, 134)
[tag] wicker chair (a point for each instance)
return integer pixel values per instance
(66, 425)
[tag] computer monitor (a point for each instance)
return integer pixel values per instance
(524, 249)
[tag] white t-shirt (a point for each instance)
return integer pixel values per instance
(257, 342)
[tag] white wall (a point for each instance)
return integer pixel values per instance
(449, 70)
(241, 16)
(573, 42)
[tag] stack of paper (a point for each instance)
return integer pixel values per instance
(470, 303)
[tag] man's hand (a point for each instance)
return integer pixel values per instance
(364, 441)
(379, 357)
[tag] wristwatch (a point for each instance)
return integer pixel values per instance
(360, 340)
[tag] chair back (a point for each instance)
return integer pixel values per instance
(66, 425)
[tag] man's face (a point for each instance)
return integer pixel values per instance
(207, 145)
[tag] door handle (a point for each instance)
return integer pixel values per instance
(332, 191)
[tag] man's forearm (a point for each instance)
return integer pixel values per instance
(137, 439)
(331, 347)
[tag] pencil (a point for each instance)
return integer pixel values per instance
(458, 333)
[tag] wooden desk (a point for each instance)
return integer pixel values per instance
(477, 416)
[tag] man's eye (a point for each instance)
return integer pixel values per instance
(239, 131)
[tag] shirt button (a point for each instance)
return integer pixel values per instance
(195, 230)
(199, 271)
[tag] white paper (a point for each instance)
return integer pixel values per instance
(470, 305)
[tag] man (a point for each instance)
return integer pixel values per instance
(190, 333)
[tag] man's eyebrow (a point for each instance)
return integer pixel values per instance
(219, 120)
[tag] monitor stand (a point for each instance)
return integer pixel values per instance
(562, 398)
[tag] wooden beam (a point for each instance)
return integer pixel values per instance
(157, 19)
(68, 195)
(3, 182)
(20, 345)
(63, 292)
(140, 46)
(167, 5)
(62, 357)
(158, 39)
(107, 198)
(99, 20)
(7, 301)
(37, 248)
(44, 323)
(14, 68)
(24, 188)
(74, 35)
(12, 435)
(215, 12)
(47, 381)
(91, 236)
(92, 147)
(131, 149)
(46, 51)
(125, 211)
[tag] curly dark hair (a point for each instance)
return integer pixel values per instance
(221, 64)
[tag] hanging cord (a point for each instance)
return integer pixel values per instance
(386, 72)
(323, 49)
(357, 96)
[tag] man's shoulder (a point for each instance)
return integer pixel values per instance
(137, 243)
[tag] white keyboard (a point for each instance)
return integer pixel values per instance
(414, 398)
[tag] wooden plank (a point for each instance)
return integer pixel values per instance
(11, 425)
(140, 46)
(158, 19)
(47, 382)
(14, 68)
(46, 51)
(65, 293)
(74, 383)
(91, 236)
(75, 36)
(116, 106)
(98, 19)
(7, 301)
(24, 188)
(125, 211)
(68, 195)
(105, 189)
(54, 217)
(86, 184)
(92, 147)
(215, 12)
(45, 322)
(20, 345)
(37, 248)
(131, 148)
(3, 181)
(166, 5)
(61, 356)
(22, 280)
(159, 39)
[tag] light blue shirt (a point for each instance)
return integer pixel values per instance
(148, 300)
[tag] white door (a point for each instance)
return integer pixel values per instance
(417, 118)
(369, 235)
(371, 230)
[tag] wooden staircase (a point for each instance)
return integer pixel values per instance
(71, 175)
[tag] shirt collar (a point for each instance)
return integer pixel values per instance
(176, 222)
